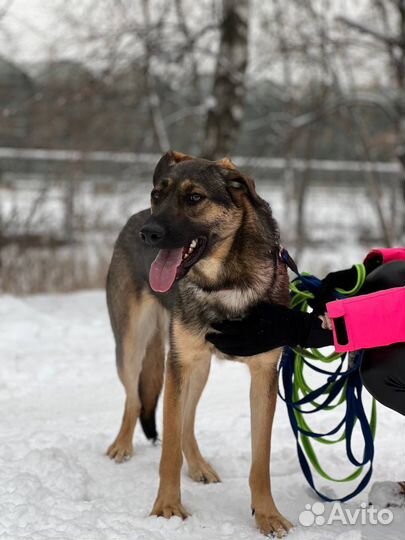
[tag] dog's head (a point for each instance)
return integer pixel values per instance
(196, 205)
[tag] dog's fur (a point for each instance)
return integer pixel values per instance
(239, 268)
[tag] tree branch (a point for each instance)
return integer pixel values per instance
(392, 41)
(5, 9)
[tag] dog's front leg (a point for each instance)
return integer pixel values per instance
(168, 501)
(263, 395)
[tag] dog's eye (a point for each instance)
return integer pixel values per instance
(194, 198)
(155, 195)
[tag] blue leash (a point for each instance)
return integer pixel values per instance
(348, 381)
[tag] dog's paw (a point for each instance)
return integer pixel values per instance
(273, 524)
(168, 509)
(203, 472)
(120, 451)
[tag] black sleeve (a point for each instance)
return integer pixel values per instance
(317, 336)
(388, 275)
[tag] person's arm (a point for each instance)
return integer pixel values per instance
(266, 327)
(269, 326)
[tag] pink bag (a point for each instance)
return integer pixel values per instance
(367, 321)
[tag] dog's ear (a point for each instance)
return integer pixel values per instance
(166, 162)
(226, 163)
(245, 185)
(237, 183)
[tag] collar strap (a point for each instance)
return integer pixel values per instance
(286, 258)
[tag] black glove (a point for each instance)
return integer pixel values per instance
(266, 327)
(342, 279)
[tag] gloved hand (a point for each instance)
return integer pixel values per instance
(342, 279)
(266, 327)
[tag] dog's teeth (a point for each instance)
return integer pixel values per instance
(189, 251)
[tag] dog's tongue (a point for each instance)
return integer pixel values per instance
(164, 268)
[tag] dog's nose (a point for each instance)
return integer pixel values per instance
(151, 234)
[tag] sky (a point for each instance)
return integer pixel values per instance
(34, 31)
(28, 29)
(31, 30)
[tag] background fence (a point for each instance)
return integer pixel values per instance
(60, 211)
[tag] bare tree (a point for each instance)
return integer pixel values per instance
(391, 38)
(319, 62)
(153, 95)
(5, 7)
(226, 104)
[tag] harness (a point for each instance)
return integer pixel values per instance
(341, 390)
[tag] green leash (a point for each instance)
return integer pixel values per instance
(303, 392)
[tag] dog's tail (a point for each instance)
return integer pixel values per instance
(150, 384)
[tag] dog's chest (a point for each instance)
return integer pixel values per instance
(235, 300)
(207, 307)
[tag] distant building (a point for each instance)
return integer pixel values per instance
(16, 93)
(66, 104)
(67, 75)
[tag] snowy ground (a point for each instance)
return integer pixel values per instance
(61, 404)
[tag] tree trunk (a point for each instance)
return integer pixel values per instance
(158, 123)
(226, 105)
(400, 73)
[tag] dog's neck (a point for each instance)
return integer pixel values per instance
(232, 302)
(249, 283)
(270, 284)
(239, 273)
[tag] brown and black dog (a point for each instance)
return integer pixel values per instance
(206, 251)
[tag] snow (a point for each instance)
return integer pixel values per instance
(61, 405)
(383, 494)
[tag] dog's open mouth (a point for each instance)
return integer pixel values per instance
(172, 264)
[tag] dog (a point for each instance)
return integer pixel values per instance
(207, 250)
